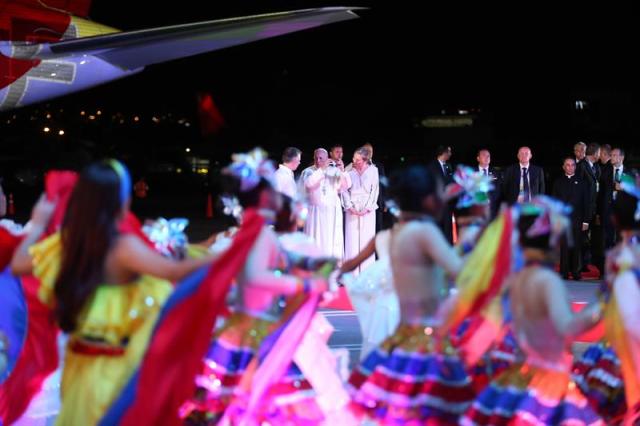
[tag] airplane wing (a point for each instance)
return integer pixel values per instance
(134, 49)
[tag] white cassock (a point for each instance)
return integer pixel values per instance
(284, 181)
(324, 222)
(362, 196)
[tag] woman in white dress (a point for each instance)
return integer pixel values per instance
(360, 204)
(372, 293)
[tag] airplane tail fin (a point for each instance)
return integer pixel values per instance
(74, 7)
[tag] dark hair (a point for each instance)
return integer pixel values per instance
(538, 242)
(464, 211)
(568, 157)
(619, 149)
(247, 199)
(284, 222)
(592, 148)
(624, 208)
(334, 146)
(606, 148)
(473, 210)
(408, 187)
(483, 149)
(88, 232)
(442, 149)
(290, 153)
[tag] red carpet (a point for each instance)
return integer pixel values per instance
(341, 301)
(591, 275)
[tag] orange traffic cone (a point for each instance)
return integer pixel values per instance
(454, 229)
(209, 207)
(11, 210)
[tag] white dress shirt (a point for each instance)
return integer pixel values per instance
(285, 182)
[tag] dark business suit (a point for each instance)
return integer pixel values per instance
(573, 192)
(590, 175)
(624, 171)
(602, 233)
(446, 177)
(383, 218)
(495, 193)
(605, 204)
(511, 182)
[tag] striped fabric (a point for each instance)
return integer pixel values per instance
(528, 395)
(597, 373)
(229, 360)
(412, 378)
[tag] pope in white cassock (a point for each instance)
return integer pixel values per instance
(360, 204)
(323, 182)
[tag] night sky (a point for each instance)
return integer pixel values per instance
(374, 79)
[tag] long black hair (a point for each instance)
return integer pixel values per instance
(251, 198)
(536, 242)
(410, 186)
(89, 229)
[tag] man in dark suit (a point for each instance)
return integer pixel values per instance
(619, 170)
(484, 167)
(441, 169)
(603, 231)
(617, 161)
(522, 181)
(570, 190)
(588, 171)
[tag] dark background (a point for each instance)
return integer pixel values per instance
(518, 71)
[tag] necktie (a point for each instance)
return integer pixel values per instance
(617, 176)
(485, 172)
(525, 185)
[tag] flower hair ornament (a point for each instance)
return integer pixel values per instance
(470, 186)
(632, 187)
(232, 207)
(250, 167)
(168, 236)
(553, 218)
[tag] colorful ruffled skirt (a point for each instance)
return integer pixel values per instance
(598, 375)
(226, 376)
(529, 395)
(412, 378)
(500, 355)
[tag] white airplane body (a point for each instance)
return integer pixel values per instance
(56, 53)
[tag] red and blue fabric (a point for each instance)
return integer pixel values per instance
(13, 322)
(598, 375)
(528, 395)
(412, 378)
(166, 375)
